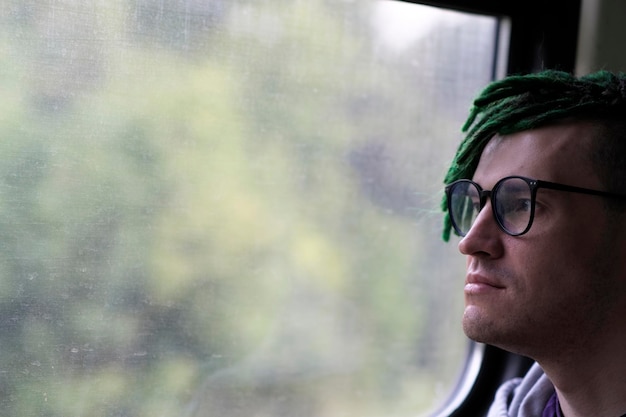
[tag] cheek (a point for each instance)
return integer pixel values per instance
(565, 269)
(550, 268)
(565, 240)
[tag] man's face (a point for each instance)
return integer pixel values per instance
(555, 285)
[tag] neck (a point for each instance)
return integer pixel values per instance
(591, 383)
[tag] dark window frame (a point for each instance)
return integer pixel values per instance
(541, 37)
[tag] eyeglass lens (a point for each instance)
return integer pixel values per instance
(511, 200)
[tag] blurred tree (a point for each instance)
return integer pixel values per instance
(210, 194)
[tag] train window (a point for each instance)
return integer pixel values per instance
(231, 207)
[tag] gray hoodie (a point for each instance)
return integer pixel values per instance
(523, 397)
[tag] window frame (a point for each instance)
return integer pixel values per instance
(540, 37)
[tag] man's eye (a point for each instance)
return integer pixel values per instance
(515, 205)
(522, 204)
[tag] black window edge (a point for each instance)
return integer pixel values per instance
(540, 37)
(486, 368)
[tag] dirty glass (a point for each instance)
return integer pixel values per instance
(230, 207)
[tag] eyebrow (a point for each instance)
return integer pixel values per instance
(517, 187)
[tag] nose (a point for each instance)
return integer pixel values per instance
(484, 237)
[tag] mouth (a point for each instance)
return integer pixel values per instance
(478, 284)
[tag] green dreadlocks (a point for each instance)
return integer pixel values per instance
(519, 103)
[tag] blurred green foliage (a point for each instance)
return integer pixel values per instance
(222, 208)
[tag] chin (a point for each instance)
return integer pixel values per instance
(479, 327)
(490, 335)
(477, 336)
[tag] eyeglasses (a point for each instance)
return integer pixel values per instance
(512, 201)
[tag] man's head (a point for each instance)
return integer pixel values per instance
(520, 103)
(562, 282)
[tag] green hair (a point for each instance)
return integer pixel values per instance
(524, 102)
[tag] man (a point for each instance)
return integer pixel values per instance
(537, 192)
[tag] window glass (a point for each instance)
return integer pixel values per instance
(230, 207)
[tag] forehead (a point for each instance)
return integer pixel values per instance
(559, 153)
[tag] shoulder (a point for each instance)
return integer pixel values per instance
(523, 397)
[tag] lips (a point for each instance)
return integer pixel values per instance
(479, 283)
(474, 278)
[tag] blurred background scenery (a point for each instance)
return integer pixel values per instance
(230, 207)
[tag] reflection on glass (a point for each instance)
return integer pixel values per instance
(230, 208)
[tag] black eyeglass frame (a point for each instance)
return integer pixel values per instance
(533, 185)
